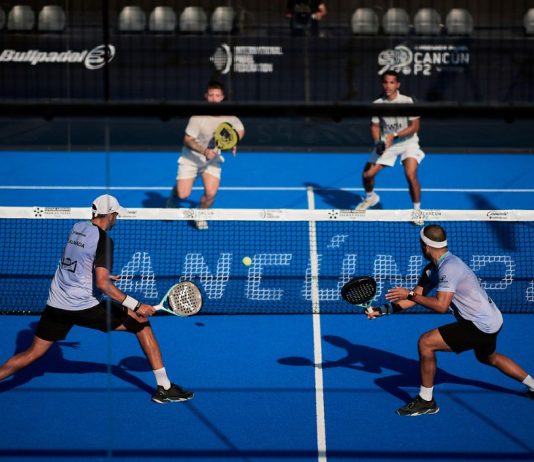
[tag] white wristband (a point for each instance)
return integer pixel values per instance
(131, 303)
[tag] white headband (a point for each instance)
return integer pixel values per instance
(430, 242)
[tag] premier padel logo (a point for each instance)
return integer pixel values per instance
(93, 59)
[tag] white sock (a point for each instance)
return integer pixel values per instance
(371, 194)
(161, 378)
(529, 382)
(426, 393)
(417, 205)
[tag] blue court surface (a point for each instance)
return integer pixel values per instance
(267, 387)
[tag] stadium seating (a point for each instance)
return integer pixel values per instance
(528, 22)
(222, 19)
(459, 22)
(51, 18)
(427, 21)
(364, 22)
(162, 19)
(396, 22)
(193, 19)
(21, 18)
(132, 19)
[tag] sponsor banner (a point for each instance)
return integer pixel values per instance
(271, 69)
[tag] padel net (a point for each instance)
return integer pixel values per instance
(300, 259)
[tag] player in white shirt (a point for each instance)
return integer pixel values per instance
(199, 156)
(393, 137)
(478, 320)
(74, 299)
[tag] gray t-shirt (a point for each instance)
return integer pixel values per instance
(73, 286)
(470, 300)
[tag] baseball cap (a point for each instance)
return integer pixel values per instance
(105, 204)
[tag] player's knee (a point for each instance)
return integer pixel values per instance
(183, 194)
(424, 344)
(484, 358)
(210, 195)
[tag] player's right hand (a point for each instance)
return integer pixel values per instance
(373, 312)
(145, 310)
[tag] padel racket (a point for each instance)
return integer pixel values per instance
(182, 299)
(360, 291)
(226, 136)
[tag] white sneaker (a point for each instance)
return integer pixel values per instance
(201, 225)
(417, 217)
(367, 202)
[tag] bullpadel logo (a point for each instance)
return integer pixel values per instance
(91, 59)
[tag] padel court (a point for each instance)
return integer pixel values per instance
(258, 393)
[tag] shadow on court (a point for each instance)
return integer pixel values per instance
(370, 360)
(159, 201)
(55, 362)
(336, 198)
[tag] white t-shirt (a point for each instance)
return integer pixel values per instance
(392, 124)
(202, 128)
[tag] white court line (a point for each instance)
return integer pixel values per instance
(259, 188)
(317, 345)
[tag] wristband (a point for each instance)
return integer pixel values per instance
(131, 303)
(395, 135)
(411, 295)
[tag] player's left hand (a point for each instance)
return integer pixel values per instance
(397, 294)
(388, 139)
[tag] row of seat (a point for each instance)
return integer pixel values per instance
(163, 19)
(427, 21)
(52, 18)
(365, 21)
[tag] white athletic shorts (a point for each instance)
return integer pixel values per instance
(189, 168)
(404, 150)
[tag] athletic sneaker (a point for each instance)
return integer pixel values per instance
(418, 406)
(417, 217)
(529, 394)
(172, 395)
(201, 225)
(369, 201)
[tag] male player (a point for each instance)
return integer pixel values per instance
(199, 156)
(84, 269)
(478, 320)
(393, 137)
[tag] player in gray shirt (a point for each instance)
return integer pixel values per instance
(74, 299)
(478, 320)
